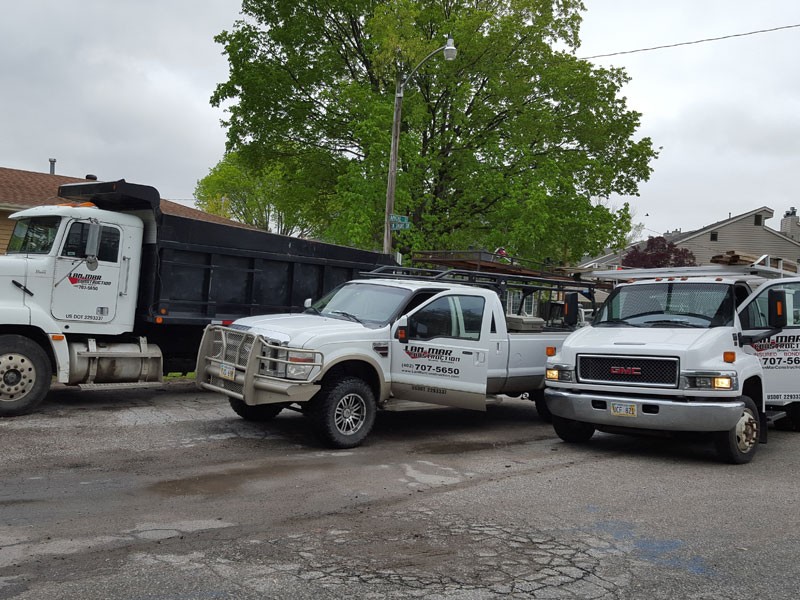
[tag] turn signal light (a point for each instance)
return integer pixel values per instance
(550, 350)
(729, 357)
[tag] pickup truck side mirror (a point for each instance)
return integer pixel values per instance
(307, 303)
(571, 309)
(401, 330)
(776, 304)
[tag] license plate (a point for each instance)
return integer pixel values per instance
(623, 409)
(227, 371)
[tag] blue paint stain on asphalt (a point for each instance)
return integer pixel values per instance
(666, 553)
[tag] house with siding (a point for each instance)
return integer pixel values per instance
(746, 233)
(25, 189)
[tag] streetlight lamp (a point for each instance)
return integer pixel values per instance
(449, 51)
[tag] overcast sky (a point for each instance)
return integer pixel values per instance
(121, 90)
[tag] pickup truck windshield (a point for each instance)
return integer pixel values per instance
(34, 236)
(369, 304)
(673, 304)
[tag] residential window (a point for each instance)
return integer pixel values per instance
(757, 220)
(714, 236)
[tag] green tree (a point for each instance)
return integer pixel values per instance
(516, 143)
(287, 195)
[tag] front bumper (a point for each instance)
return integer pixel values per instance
(239, 364)
(651, 413)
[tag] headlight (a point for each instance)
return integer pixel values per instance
(710, 381)
(558, 373)
(300, 365)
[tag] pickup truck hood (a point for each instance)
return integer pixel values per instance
(622, 339)
(299, 329)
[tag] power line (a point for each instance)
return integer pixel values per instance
(714, 39)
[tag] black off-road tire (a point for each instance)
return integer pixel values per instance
(573, 432)
(260, 412)
(738, 446)
(25, 375)
(343, 412)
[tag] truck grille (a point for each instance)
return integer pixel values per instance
(628, 370)
(232, 346)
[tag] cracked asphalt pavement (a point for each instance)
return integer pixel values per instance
(164, 493)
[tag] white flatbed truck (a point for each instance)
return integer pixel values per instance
(684, 350)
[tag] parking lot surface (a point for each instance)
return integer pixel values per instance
(165, 493)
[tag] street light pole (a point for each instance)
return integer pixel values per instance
(449, 51)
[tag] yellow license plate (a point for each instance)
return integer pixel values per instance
(227, 372)
(623, 409)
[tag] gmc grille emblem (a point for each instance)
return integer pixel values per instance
(626, 371)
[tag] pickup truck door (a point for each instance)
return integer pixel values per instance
(444, 360)
(780, 353)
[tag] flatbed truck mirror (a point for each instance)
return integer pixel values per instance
(776, 303)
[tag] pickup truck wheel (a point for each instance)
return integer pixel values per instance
(574, 432)
(343, 412)
(739, 445)
(260, 412)
(541, 406)
(25, 375)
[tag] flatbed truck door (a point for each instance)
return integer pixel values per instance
(780, 353)
(444, 361)
(84, 294)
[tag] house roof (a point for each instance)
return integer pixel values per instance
(679, 238)
(25, 189)
(766, 211)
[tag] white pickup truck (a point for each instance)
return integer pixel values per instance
(387, 341)
(684, 353)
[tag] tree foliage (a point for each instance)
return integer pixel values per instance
(515, 143)
(658, 252)
(286, 195)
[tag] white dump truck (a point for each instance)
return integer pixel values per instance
(393, 339)
(103, 288)
(684, 350)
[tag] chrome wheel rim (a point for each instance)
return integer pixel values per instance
(350, 414)
(17, 377)
(746, 432)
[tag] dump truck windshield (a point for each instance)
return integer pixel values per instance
(34, 236)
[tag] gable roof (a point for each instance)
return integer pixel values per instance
(24, 189)
(680, 238)
(766, 212)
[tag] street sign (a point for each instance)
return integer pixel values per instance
(398, 222)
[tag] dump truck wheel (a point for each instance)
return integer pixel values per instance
(343, 412)
(260, 412)
(739, 445)
(25, 375)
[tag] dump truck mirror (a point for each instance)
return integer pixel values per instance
(571, 309)
(92, 245)
(776, 302)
